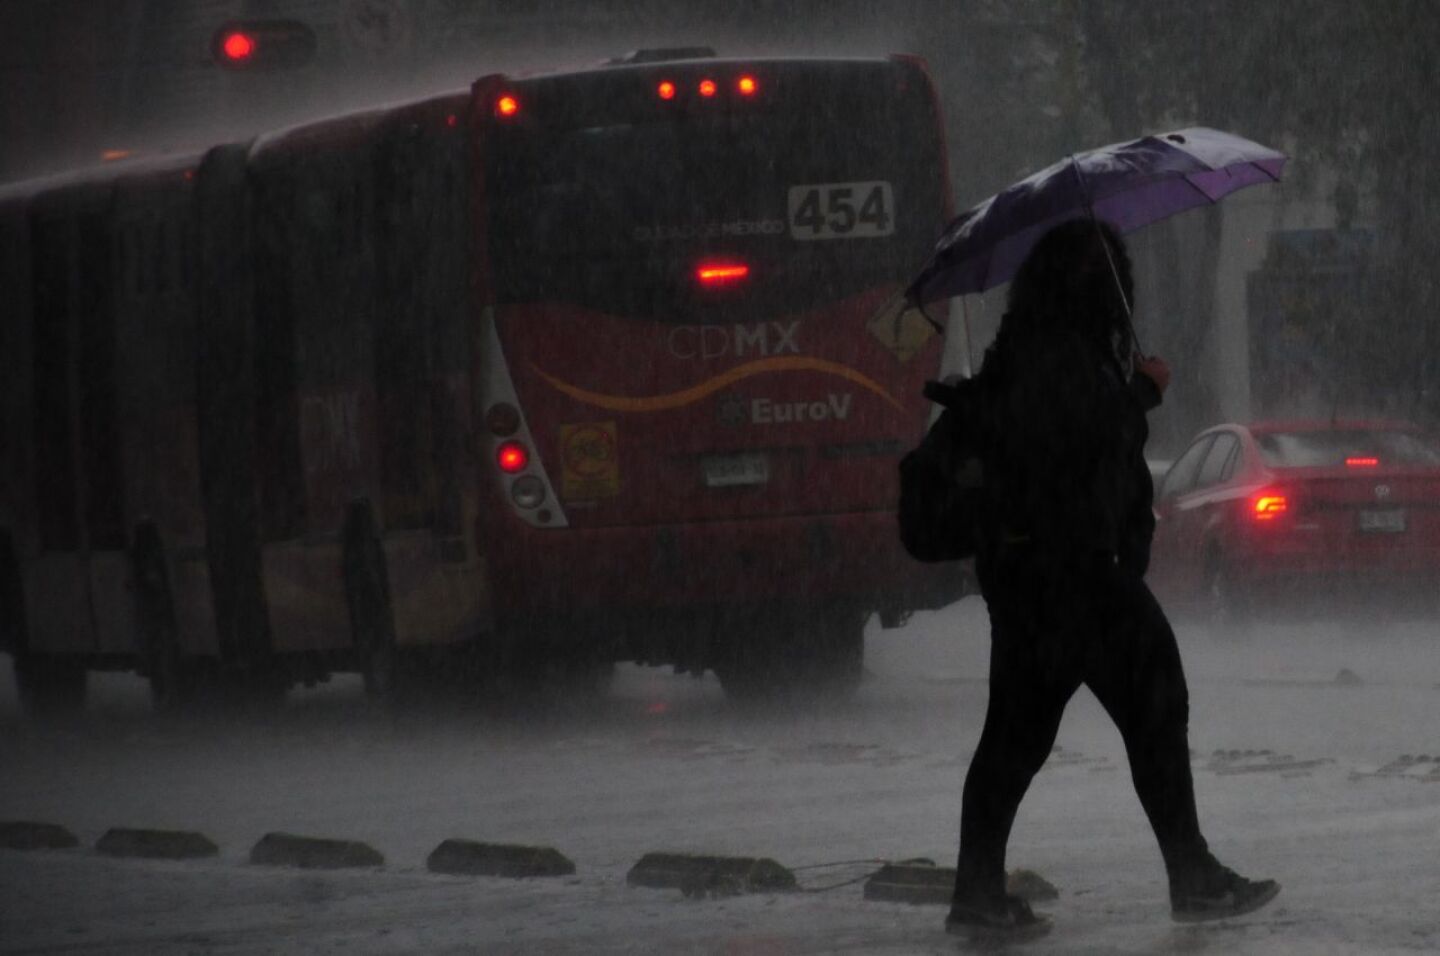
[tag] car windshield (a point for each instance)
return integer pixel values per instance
(1310, 449)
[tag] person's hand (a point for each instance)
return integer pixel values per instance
(1154, 368)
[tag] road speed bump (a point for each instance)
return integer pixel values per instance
(156, 844)
(925, 883)
(313, 853)
(27, 835)
(710, 875)
(1030, 886)
(469, 858)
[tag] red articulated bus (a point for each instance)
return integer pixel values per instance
(561, 370)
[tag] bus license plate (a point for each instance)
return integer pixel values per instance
(723, 471)
(1390, 520)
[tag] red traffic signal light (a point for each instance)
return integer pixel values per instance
(238, 46)
(263, 44)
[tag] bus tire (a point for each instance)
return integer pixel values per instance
(367, 595)
(173, 678)
(836, 658)
(794, 652)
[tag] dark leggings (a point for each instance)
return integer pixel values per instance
(1054, 628)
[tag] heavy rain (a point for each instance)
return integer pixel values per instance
(450, 453)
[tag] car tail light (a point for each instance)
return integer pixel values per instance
(1362, 461)
(1269, 505)
(512, 457)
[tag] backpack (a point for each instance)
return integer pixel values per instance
(942, 484)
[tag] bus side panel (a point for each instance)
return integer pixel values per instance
(422, 357)
(17, 500)
(315, 226)
(112, 593)
(57, 604)
(226, 410)
(57, 597)
(156, 342)
(433, 590)
(104, 426)
(306, 595)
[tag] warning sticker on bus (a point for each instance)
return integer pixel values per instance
(590, 466)
(842, 211)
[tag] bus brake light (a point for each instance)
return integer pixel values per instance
(746, 86)
(719, 273)
(707, 88)
(1362, 462)
(512, 457)
(666, 90)
(507, 106)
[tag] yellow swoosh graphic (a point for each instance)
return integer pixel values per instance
(658, 403)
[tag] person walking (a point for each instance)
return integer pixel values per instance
(1063, 548)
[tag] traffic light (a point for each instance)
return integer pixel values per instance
(263, 44)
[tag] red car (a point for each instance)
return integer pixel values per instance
(1251, 515)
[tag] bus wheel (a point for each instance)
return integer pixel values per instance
(836, 656)
(817, 653)
(367, 593)
(173, 679)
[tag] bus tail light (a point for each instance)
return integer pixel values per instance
(746, 86)
(512, 457)
(507, 106)
(666, 90)
(721, 273)
(707, 88)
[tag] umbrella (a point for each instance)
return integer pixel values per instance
(1128, 185)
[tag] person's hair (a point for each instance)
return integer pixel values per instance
(1066, 279)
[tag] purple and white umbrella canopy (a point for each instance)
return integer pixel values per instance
(1128, 185)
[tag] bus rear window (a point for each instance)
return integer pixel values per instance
(1323, 449)
(820, 192)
